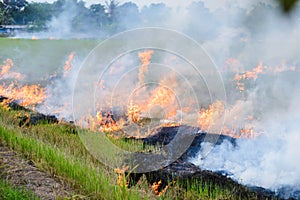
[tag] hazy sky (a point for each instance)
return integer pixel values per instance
(212, 4)
(138, 2)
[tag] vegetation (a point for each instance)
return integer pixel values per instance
(55, 150)
(48, 56)
(9, 192)
(110, 17)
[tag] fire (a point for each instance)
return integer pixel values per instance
(99, 122)
(207, 117)
(168, 123)
(260, 69)
(121, 176)
(6, 68)
(247, 132)
(108, 124)
(250, 74)
(232, 64)
(160, 103)
(145, 60)
(6, 73)
(163, 97)
(28, 95)
(133, 113)
(68, 63)
(157, 186)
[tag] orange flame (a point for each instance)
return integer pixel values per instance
(6, 73)
(260, 69)
(68, 63)
(250, 74)
(100, 122)
(122, 180)
(207, 117)
(27, 95)
(6, 68)
(212, 116)
(164, 96)
(145, 60)
(157, 186)
(133, 113)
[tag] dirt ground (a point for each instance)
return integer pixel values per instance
(22, 172)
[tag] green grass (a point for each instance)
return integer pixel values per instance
(37, 59)
(9, 192)
(85, 175)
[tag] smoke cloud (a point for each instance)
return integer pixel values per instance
(270, 160)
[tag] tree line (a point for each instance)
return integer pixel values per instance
(111, 15)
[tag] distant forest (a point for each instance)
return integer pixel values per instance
(113, 16)
(110, 16)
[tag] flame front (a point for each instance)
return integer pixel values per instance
(158, 104)
(68, 63)
(133, 113)
(145, 60)
(27, 95)
(208, 116)
(7, 73)
(6, 68)
(255, 72)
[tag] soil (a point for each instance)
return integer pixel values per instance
(22, 172)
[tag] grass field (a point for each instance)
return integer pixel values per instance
(57, 149)
(9, 192)
(39, 58)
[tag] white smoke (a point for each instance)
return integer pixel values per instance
(61, 26)
(270, 160)
(59, 92)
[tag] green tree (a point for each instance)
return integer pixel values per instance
(12, 10)
(97, 13)
(202, 24)
(156, 14)
(38, 14)
(2, 16)
(128, 16)
(111, 10)
(81, 20)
